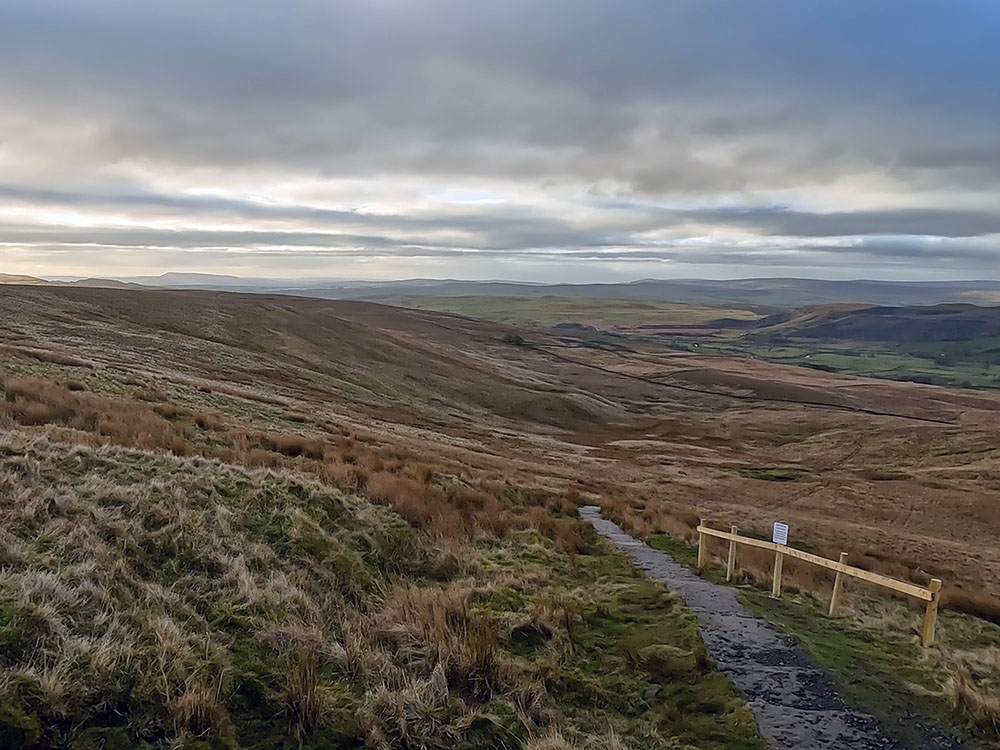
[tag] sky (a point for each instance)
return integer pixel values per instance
(542, 140)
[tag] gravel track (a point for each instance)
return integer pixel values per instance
(795, 703)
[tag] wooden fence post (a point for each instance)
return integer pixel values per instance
(731, 563)
(838, 586)
(930, 594)
(779, 557)
(930, 613)
(702, 548)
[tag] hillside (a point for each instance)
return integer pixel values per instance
(6, 278)
(755, 293)
(466, 393)
(602, 314)
(931, 323)
(953, 345)
(232, 524)
(484, 439)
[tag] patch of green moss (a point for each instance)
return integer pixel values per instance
(18, 729)
(680, 551)
(500, 600)
(872, 670)
(776, 474)
(612, 668)
(274, 529)
(16, 637)
(312, 544)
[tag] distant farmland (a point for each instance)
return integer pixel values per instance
(599, 313)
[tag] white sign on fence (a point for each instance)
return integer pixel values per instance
(780, 534)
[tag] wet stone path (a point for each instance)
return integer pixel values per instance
(796, 704)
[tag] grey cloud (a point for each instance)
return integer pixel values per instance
(900, 254)
(524, 223)
(561, 88)
(915, 221)
(675, 103)
(203, 238)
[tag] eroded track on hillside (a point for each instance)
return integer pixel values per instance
(795, 703)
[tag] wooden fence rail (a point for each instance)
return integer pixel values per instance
(929, 595)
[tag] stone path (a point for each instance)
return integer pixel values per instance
(795, 703)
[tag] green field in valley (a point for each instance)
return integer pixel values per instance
(964, 364)
(600, 313)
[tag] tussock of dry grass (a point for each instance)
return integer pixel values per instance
(47, 355)
(556, 741)
(425, 495)
(146, 598)
(177, 583)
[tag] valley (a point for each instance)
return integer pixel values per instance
(485, 438)
(947, 344)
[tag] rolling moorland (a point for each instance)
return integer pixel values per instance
(941, 333)
(252, 520)
(955, 344)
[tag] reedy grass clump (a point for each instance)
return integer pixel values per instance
(148, 600)
(446, 500)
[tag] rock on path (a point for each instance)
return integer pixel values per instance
(796, 705)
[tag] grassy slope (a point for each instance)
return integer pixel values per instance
(312, 349)
(969, 363)
(180, 370)
(944, 345)
(550, 311)
(148, 600)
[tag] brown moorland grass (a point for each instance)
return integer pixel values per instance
(466, 434)
(448, 508)
(152, 601)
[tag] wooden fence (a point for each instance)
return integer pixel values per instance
(929, 595)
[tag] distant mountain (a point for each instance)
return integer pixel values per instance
(202, 280)
(175, 280)
(763, 294)
(10, 278)
(104, 284)
(6, 278)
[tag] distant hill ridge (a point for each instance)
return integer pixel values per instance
(762, 294)
(7, 278)
(12, 278)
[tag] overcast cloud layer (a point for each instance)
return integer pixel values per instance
(578, 140)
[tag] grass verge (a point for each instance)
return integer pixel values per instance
(873, 656)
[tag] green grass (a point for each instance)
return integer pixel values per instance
(775, 474)
(967, 364)
(632, 657)
(872, 670)
(637, 649)
(601, 313)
